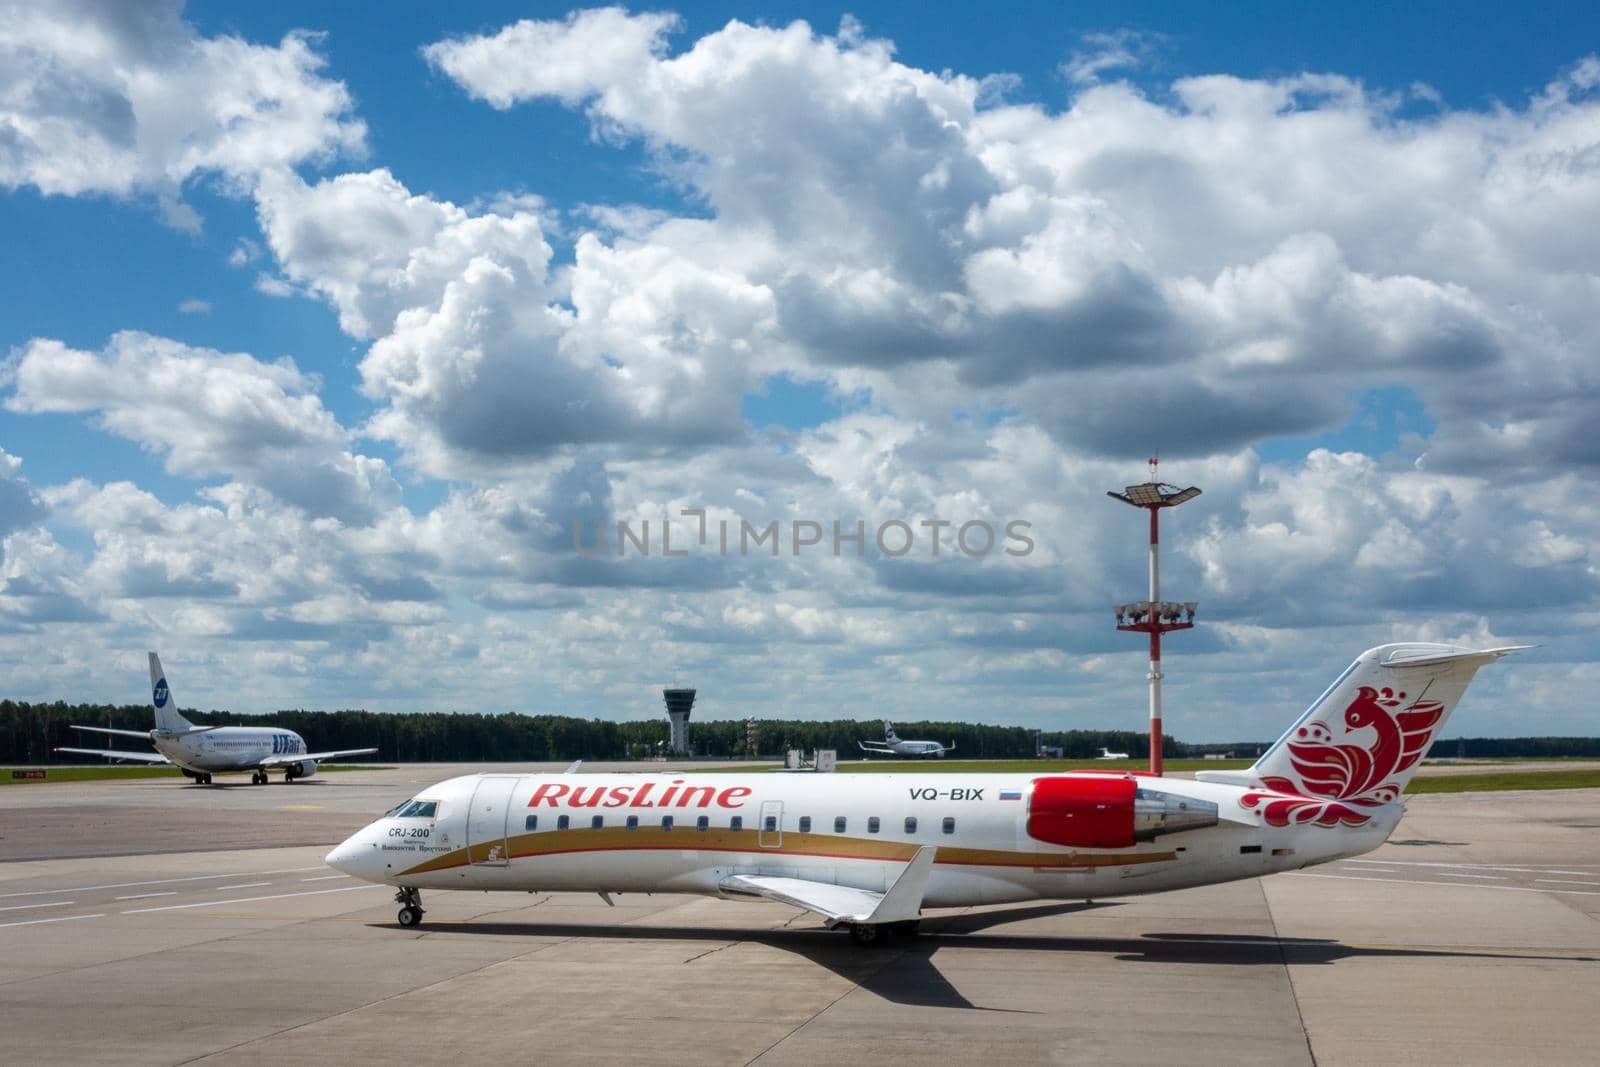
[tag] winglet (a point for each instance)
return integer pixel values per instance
(903, 901)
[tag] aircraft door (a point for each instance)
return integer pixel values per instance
(487, 816)
(771, 829)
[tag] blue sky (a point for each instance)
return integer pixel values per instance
(325, 322)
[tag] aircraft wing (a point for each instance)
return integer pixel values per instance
(108, 730)
(843, 904)
(117, 753)
(285, 760)
(875, 746)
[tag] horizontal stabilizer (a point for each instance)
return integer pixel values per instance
(1409, 657)
(144, 734)
(116, 753)
(317, 757)
(844, 904)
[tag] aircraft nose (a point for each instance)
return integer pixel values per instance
(357, 855)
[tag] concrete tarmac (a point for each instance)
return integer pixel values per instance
(204, 927)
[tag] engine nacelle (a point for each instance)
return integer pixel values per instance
(1095, 811)
(304, 769)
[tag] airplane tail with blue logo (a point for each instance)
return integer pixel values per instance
(889, 734)
(166, 709)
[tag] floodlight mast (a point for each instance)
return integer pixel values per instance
(1154, 617)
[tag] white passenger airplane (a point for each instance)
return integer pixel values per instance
(200, 751)
(891, 745)
(1106, 753)
(870, 851)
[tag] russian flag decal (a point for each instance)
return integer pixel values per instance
(1010, 794)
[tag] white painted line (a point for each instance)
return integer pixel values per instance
(247, 900)
(62, 919)
(1453, 885)
(163, 881)
(52, 904)
(146, 896)
(1565, 881)
(1485, 877)
(325, 878)
(1525, 868)
(246, 885)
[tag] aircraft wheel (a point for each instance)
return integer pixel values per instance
(288, 776)
(410, 915)
(865, 934)
(908, 928)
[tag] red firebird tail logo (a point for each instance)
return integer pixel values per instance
(1333, 782)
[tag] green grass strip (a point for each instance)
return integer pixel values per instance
(95, 773)
(1488, 783)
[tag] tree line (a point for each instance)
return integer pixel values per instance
(30, 732)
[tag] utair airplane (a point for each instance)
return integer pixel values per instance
(200, 751)
(891, 745)
(869, 852)
(1106, 753)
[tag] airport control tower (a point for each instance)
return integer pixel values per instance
(679, 704)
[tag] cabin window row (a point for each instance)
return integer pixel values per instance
(736, 822)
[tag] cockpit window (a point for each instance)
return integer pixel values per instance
(417, 809)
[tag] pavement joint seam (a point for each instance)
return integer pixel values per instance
(1288, 973)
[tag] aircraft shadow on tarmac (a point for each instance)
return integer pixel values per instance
(903, 971)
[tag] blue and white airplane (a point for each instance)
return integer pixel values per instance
(892, 745)
(200, 751)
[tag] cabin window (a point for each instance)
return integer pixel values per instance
(872, 825)
(736, 823)
(805, 824)
(531, 823)
(949, 824)
(633, 822)
(703, 823)
(772, 823)
(563, 821)
(911, 824)
(666, 822)
(597, 823)
(838, 824)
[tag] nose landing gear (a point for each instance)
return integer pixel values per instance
(410, 901)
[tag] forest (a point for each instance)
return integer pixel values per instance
(29, 733)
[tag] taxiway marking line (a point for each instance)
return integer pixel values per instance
(164, 881)
(52, 904)
(1458, 885)
(1471, 866)
(331, 877)
(1485, 877)
(246, 885)
(246, 900)
(1565, 881)
(146, 896)
(60, 919)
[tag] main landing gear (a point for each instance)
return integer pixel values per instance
(259, 778)
(410, 901)
(199, 779)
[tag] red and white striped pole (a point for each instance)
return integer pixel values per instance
(1153, 617)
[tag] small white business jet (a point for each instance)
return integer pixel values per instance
(891, 745)
(200, 751)
(1106, 753)
(869, 852)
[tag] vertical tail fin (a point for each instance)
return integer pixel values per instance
(888, 733)
(1364, 738)
(166, 709)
